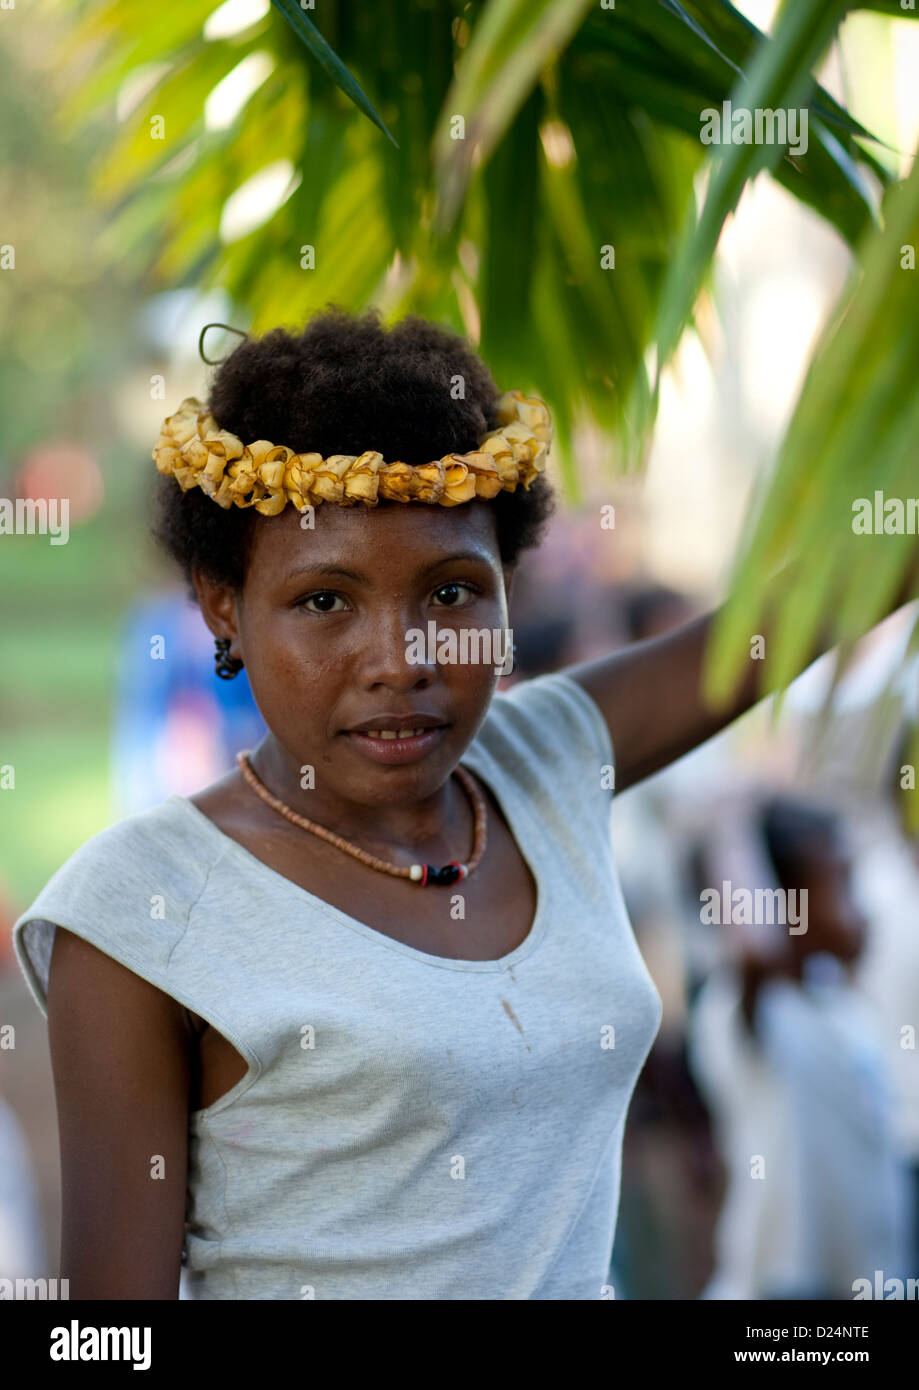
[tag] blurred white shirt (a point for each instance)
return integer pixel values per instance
(808, 1103)
(886, 879)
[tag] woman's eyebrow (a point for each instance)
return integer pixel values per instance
(331, 571)
(458, 555)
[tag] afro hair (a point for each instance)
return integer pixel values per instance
(342, 385)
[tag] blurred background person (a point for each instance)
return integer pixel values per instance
(886, 878)
(176, 724)
(789, 1057)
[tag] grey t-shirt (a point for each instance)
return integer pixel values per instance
(409, 1127)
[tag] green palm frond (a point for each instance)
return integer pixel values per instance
(320, 51)
(854, 432)
(620, 90)
(779, 78)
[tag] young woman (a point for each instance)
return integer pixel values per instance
(282, 1055)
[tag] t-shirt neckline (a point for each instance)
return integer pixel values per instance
(532, 859)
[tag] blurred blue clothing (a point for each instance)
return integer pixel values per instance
(177, 725)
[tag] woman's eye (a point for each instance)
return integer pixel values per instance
(325, 598)
(452, 591)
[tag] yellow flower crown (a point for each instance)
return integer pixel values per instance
(194, 449)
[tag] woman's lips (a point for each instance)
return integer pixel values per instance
(396, 750)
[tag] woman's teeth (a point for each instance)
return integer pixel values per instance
(391, 733)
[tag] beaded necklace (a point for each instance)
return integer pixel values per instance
(418, 873)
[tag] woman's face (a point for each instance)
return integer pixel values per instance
(322, 626)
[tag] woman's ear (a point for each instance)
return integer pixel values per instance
(218, 606)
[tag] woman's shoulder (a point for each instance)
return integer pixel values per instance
(547, 730)
(128, 889)
(154, 846)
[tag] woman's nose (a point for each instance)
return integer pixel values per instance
(391, 652)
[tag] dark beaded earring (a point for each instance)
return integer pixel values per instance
(227, 666)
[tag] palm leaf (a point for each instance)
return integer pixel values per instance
(511, 44)
(624, 87)
(855, 428)
(779, 76)
(328, 59)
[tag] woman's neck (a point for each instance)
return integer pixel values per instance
(434, 829)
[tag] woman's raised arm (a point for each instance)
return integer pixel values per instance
(650, 693)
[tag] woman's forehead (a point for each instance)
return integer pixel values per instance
(410, 535)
